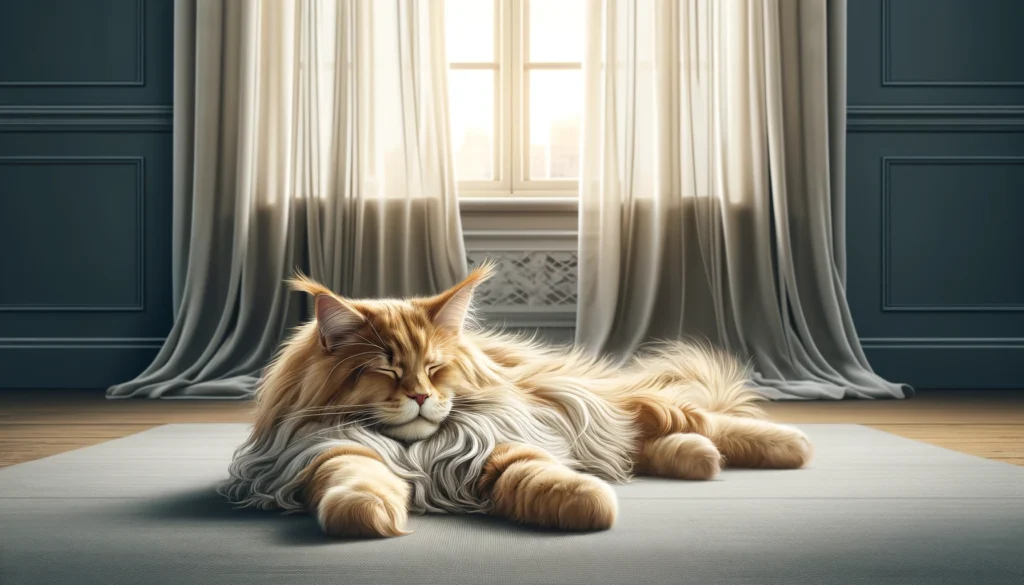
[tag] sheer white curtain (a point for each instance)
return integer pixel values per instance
(712, 188)
(309, 134)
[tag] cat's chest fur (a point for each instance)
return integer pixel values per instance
(443, 469)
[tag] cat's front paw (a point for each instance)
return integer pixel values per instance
(550, 495)
(358, 514)
(586, 505)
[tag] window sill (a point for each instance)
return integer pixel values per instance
(536, 204)
(520, 223)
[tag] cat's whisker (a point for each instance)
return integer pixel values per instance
(312, 415)
(324, 432)
(375, 332)
(331, 410)
(363, 365)
(327, 378)
(368, 342)
(328, 406)
(339, 408)
(347, 358)
(344, 343)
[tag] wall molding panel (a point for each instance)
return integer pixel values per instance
(138, 80)
(86, 171)
(888, 162)
(81, 342)
(933, 278)
(888, 80)
(86, 118)
(976, 118)
(138, 164)
(942, 342)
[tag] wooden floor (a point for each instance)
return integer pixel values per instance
(39, 423)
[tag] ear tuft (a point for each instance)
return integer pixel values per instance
(335, 319)
(302, 283)
(450, 308)
(482, 273)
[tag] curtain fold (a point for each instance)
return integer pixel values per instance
(712, 188)
(308, 135)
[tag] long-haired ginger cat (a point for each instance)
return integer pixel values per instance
(379, 408)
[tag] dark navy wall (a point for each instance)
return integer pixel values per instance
(85, 206)
(936, 189)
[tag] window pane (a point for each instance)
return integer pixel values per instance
(556, 101)
(556, 30)
(470, 30)
(471, 97)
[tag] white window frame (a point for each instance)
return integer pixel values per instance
(511, 108)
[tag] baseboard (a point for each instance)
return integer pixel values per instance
(953, 363)
(73, 363)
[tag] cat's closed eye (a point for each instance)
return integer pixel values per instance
(388, 372)
(433, 368)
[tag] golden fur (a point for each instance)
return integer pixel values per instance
(378, 408)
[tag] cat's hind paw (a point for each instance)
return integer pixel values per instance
(681, 456)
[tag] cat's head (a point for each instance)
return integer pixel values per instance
(396, 364)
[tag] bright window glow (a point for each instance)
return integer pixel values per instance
(555, 100)
(556, 31)
(470, 34)
(471, 95)
(515, 91)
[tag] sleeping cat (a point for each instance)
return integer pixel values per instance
(378, 408)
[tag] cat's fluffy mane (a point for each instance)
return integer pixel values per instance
(511, 389)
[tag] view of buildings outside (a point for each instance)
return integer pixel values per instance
(557, 157)
(552, 156)
(474, 159)
(550, 96)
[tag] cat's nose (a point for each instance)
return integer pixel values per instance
(419, 398)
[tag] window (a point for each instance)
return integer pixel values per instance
(515, 94)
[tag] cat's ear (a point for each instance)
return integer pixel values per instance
(450, 308)
(335, 319)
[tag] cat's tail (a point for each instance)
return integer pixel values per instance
(708, 377)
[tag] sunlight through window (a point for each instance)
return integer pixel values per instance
(515, 93)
